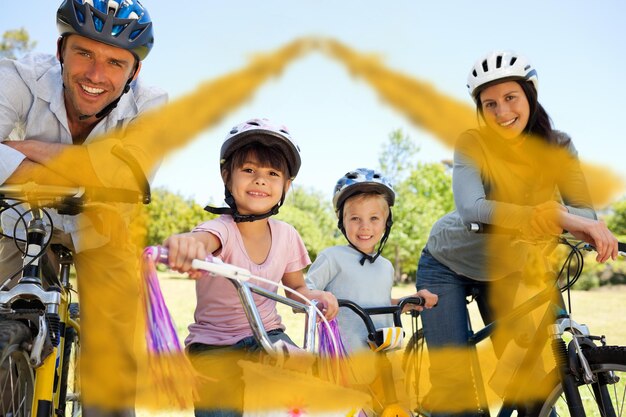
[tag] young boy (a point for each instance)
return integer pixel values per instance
(362, 200)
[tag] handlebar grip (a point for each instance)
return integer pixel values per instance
(418, 301)
(211, 264)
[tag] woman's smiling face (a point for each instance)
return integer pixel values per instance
(505, 108)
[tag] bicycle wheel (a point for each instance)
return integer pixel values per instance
(16, 376)
(606, 397)
(70, 404)
(412, 366)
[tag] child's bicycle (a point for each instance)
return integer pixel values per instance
(588, 379)
(39, 322)
(242, 279)
(382, 341)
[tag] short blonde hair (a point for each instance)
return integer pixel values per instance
(360, 197)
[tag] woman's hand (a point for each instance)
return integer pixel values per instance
(545, 219)
(594, 232)
(430, 300)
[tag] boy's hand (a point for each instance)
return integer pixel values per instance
(182, 249)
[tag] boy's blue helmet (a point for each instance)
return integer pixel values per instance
(121, 23)
(362, 180)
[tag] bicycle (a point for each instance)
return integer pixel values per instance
(39, 321)
(382, 341)
(587, 379)
(241, 279)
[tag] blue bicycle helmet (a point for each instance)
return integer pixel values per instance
(362, 180)
(122, 23)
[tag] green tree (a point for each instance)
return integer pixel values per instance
(15, 43)
(421, 199)
(423, 194)
(310, 212)
(170, 213)
(617, 220)
(398, 152)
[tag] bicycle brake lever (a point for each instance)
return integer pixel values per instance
(70, 206)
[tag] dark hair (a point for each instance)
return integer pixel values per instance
(539, 122)
(267, 156)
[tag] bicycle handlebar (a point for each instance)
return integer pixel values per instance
(476, 227)
(68, 200)
(240, 278)
(366, 313)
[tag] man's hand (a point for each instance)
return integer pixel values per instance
(37, 173)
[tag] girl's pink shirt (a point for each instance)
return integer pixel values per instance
(219, 316)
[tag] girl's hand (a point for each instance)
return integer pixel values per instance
(182, 249)
(329, 305)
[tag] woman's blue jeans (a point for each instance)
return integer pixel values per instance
(446, 331)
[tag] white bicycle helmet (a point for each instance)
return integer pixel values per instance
(500, 65)
(362, 180)
(264, 132)
(267, 133)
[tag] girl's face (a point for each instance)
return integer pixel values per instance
(364, 219)
(255, 188)
(505, 108)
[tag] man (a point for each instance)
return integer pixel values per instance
(47, 109)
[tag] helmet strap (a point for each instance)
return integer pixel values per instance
(237, 217)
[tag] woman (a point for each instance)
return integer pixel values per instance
(516, 172)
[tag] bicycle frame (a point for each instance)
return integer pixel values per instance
(554, 324)
(240, 280)
(51, 316)
(390, 401)
(245, 290)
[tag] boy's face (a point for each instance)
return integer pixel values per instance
(364, 219)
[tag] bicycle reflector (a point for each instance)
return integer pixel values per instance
(387, 338)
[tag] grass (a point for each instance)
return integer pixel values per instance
(600, 310)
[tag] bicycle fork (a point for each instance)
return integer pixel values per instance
(574, 369)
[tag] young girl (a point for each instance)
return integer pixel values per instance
(258, 162)
(514, 172)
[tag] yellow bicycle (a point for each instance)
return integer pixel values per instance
(39, 320)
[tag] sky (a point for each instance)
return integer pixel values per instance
(339, 121)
